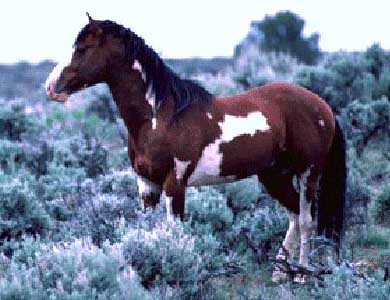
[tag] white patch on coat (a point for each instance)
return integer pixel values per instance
(146, 187)
(150, 96)
(138, 67)
(168, 203)
(209, 116)
(305, 219)
(180, 167)
(208, 168)
(234, 126)
(321, 123)
(154, 123)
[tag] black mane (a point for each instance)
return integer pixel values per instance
(164, 81)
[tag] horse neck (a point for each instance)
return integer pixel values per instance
(129, 92)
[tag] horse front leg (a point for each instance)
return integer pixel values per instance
(174, 196)
(149, 193)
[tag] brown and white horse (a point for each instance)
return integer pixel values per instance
(180, 135)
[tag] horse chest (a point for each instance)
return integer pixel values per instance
(208, 169)
(153, 166)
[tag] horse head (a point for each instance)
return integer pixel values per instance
(94, 52)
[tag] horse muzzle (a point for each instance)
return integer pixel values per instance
(54, 92)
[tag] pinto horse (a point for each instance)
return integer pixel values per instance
(180, 135)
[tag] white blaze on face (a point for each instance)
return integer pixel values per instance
(180, 167)
(208, 168)
(53, 77)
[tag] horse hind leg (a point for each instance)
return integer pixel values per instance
(281, 187)
(307, 193)
(289, 246)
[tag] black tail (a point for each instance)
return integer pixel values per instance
(331, 201)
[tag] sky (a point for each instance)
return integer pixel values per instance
(46, 29)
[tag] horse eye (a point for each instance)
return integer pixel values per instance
(81, 50)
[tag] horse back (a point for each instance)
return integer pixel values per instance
(301, 122)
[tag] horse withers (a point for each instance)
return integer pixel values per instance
(180, 135)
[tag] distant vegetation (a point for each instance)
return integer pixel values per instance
(70, 222)
(283, 33)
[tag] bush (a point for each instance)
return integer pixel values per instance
(345, 284)
(371, 237)
(103, 105)
(243, 195)
(13, 120)
(366, 120)
(283, 32)
(381, 208)
(77, 270)
(21, 212)
(12, 156)
(81, 152)
(259, 233)
(22, 283)
(344, 77)
(81, 206)
(208, 211)
(167, 256)
(253, 67)
(357, 196)
(102, 217)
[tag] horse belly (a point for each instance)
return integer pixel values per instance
(223, 162)
(247, 155)
(207, 179)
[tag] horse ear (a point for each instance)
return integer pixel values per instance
(89, 18)
(94, 26)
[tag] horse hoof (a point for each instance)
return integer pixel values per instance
(301, 279)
